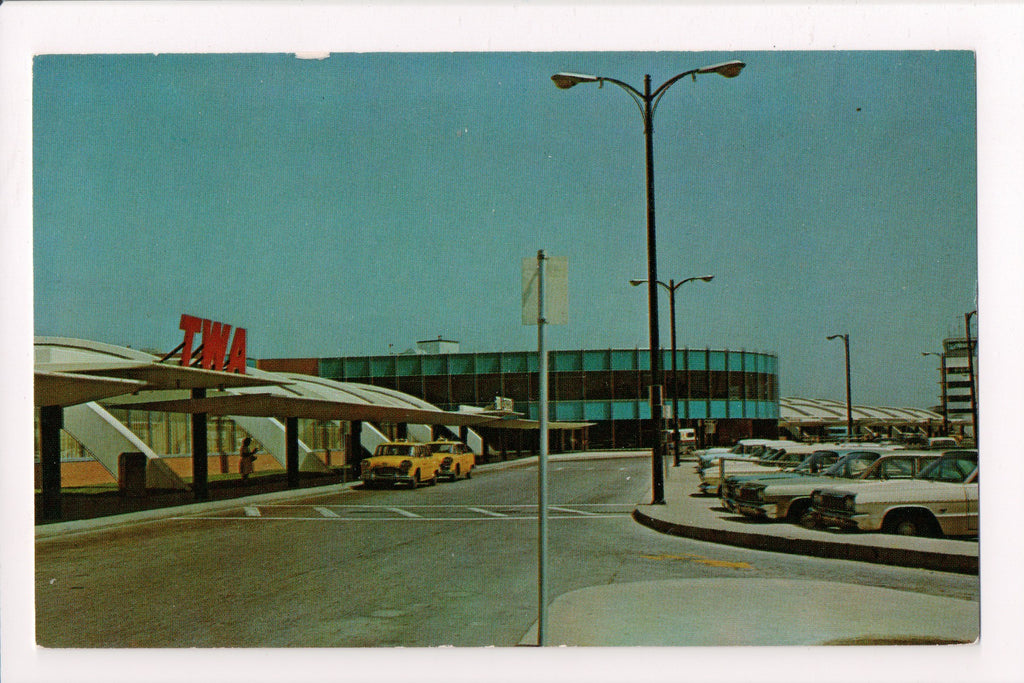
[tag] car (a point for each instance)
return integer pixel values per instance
(457, 460)
(400, 462)
(790, 499)
(940, 501)
(818, 461)
(712, 474)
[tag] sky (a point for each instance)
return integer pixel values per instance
(358, 203)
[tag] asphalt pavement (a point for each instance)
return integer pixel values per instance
(620, 614)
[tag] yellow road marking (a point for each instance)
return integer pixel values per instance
(701, 560)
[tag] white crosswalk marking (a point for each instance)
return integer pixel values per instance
(404, 513)
(482, 512)
(492, 513)
(575, 512)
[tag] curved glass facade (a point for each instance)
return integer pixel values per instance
(604, 386)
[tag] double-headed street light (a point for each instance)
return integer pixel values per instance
(672, 286)
(849, 405)
(647, 101)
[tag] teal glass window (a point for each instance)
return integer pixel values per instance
(567, 361)
(356, 367)
(719, 410)
(624, 410)
(382, 366)
(716, 360)
(595, 361)
(488, 362)
(514, 362)
(594, 411)
(624, 360)
(434, 365)
(407, 365)
(461, 364)
(736, 361)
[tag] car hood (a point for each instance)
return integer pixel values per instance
(901, 491)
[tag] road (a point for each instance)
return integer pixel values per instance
(452, 564)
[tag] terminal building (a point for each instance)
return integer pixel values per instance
(724, 394)
(176, 420)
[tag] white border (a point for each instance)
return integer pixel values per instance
(995, 31)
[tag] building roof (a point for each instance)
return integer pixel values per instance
(811, 411)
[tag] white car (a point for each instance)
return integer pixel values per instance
(790, 498)
(941, 500)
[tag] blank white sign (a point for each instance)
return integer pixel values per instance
(556, 290)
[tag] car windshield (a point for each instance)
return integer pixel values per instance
(396, 449)
(817, 461)
(443, 448)
(852, 465)
(954, 467)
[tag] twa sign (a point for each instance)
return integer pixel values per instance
(213, 350)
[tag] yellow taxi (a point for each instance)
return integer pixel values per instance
(457, 460)
(400, 462)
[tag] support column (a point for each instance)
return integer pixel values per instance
(354, 452)
(291, 449)
(200, 454)
(402, 430)
(51, 421)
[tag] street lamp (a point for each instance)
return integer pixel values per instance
(647, 101)
(672, 286)
(971, 377)
(942, 384)
(849, 405)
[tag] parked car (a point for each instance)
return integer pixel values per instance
(744, 448)
(712, 475)
(457, 460)
(790, 498)
(400, 462)
(817, 462)
(941, 500)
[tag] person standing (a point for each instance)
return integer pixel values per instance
(247, 456)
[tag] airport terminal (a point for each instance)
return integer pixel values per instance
(105, 412)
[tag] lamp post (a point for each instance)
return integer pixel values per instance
(672, 286)
(970, 373)
(647, 101)
(942, 385)
(849, 405)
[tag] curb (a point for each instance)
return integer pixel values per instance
(918, 559)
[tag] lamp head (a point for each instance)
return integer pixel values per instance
(637, 282)
(706, 278)
(729, 69)
(566, 80)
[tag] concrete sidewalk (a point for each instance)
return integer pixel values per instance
(687, 513)
(754, 612)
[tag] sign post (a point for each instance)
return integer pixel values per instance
(538, 293)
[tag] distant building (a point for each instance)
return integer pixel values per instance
(956, 381)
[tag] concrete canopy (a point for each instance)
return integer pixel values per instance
(67, 389)
(271, 405)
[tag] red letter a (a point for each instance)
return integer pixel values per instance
(236, 358)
